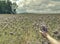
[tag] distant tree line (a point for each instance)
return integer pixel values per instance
(6, 8)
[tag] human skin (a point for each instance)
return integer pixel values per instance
(48, 37)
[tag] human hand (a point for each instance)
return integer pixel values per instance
(44, 34)
(44, 31)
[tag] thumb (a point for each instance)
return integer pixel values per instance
(43, 34)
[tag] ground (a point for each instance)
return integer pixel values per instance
(24, 28)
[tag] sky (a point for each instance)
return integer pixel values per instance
(38, 6)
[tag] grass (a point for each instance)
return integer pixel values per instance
(23, 28)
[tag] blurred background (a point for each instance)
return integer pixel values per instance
(29, 6)
(20, 21)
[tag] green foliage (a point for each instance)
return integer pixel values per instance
(5, 7)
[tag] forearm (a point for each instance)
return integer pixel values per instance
(52, 40)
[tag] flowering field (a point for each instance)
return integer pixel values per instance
(24, 29)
